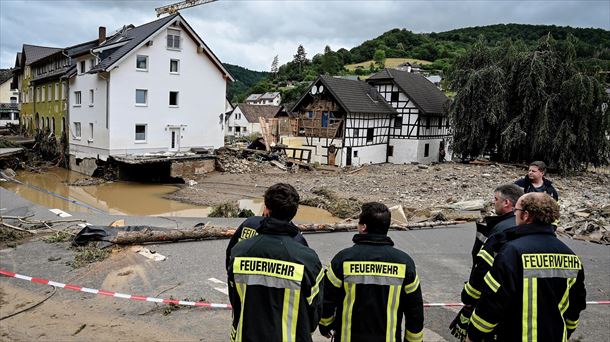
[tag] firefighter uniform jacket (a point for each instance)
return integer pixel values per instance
(275, 286)
(536, 289)
(369, 287)
(248, 229)
(484, 258)
(490, 226)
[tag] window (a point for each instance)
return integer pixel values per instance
(91, 97)
(13, 99)
(77, 130)
(398, 122)
(140, 132)
(142, 63)
(427, 122)
(53, 125)
(356, 132)
(141, 97)
(245, 129)
(39, 97)
(5, 116)
(91, 131)
(174, 66)
(440, 123)
(82, 67)
(43, 94)
(64, 88)
(390, 151)
(56, 93)
(173, 98)
(355, 154)
(49, 90)
(394, 96)
(369, 134)
(91, 63)
(173, 39)
(310, 115)
(230, 129)
(426, 150)
(77, 98)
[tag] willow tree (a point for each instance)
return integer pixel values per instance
(525, 104)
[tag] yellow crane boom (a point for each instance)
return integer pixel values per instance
(175, 7)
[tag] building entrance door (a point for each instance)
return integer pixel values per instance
(174, 139)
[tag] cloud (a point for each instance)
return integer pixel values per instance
(251, 33)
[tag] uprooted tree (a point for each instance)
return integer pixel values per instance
(523, 104)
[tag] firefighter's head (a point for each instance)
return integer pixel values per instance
(281, 202)
(374, 219)
(505, 198)
(536, 207)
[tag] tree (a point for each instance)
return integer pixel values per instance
(379, 58)
(274, 65)
(300, 58)
(524, 104)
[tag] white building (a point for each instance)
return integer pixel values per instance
(270, 98)
(9, 99)
(244, 120)
(152, 88)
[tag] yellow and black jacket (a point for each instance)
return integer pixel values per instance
(275, 286)
(535, 289)
(369, 287)
(248, 229)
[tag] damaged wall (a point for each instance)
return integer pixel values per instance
(83, 165)
(190, 169)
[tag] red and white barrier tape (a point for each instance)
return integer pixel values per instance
(183, 302)
(114, 294)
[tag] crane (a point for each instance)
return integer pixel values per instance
(175, 7)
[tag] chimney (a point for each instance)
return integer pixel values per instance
(101, 35)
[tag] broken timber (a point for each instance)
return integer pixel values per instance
(214, 232)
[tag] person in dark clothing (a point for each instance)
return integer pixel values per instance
(536, 287)
(505, 198)
(534, 181)
(275, 282)
(371, 286)
(275, 207)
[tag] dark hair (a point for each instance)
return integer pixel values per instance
(542, 207)
(511, 192)
(540, 164)
(282, 201)
(376, 216)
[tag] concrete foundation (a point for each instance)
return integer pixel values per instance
(83, 165)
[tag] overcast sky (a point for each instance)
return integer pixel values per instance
(250, 33)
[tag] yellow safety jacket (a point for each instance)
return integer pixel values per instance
(534, 290)
(275, 286)
(369, 288)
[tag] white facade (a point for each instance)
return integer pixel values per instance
(9, 98)
(238, 125)
(108, 124)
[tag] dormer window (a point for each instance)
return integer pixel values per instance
(83, 65)
(173, 39)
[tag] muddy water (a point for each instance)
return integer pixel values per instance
(126, 198)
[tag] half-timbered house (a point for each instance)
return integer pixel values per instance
(421, 128)
(343, 122)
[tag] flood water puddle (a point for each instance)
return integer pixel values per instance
(126, 198)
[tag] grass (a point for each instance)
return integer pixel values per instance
(60, 236)
(389, 63)
(88, 254)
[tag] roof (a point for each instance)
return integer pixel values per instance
(269, 96)
(354, 96)
(135, 36)
(253, 97)
(424, 94)
(253, 112)
(5, 75)
(35, 53)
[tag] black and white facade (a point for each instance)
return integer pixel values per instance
(395, 117)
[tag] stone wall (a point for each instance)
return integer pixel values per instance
(191, 169)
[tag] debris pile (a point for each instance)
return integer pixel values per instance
(234, 161)
(328, 200)
(588, 224)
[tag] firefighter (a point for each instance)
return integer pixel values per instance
(487, 241)
(536, 285)
(370, 286)
(275, 282)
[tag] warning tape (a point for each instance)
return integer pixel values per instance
(184, 302)
(113, 294)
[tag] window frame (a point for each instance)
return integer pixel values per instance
(140, 141)
(82, 66)
(145, 103)
(78, 98)
(177, 72)
(177, 103)
(145, 62)
(77, 130)
(370, 134)
(174, 32)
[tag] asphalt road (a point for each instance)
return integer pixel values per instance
(195, 270)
